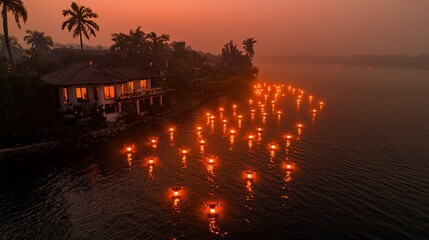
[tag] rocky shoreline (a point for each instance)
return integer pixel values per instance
(113, 130)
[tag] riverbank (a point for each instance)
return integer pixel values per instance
(115, 129)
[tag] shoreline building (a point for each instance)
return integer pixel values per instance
(111, 87)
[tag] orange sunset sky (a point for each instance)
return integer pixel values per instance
(329, 27)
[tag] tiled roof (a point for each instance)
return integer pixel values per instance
(85, 74)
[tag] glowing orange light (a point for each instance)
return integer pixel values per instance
(299, 125)
(234, 106)
(199, 129)
(221, 109)
(212, 117)
(171, 129)
(279, 112)
(129, 149)
(202, 141)
(321, 103)
(259, 129)
(264, 114)
(288, 136)
(251, 136)
(252, 110)
(153, 140)
(212, 210)
(249, 175)
(184, 151)
(232, 131)
(176, 193)
(273, 146)
(224, 121)
(208, 114)
(240, 116)
(314, 111)
(250, 101)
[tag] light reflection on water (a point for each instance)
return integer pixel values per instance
(352, 164)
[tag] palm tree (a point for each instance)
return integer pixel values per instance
(14, 44)
(158, 45)
(39, 41)
(248, 46)
(16, 7)
(80, 22)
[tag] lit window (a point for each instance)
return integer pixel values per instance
(81, 94)
(109, 92)
(65, 96)
(143, 84)
(127, 87)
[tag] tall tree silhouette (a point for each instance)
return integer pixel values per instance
(158, 46)
(79, 22)
(39, 41)
(16, 7)
(248, 47)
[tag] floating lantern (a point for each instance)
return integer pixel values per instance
(202, 142)
(289, 136)
(153, 140)
(232, 131)
(184, 151)
(199, 129)
(211, 159)
(250, 136)
(176, 193)
(250, 101)
(264, 114)
(321, 103)
(279, 112)
(299, 125)
(259, 129)
(224, 121)
(212, 209)
(171, 129)
(240, 116)
(289, 166)
(272, 146)
(221, 109)
(234, 106)
(208, 114)
(129, 148)
(314, 111)
(212, 117)
(250, 175)
(252, 110)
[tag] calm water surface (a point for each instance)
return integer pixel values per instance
(361, 169)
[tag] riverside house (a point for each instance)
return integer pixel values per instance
(112, 87)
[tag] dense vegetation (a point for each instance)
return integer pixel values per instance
(27, 105)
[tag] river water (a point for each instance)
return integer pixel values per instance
(359, 168)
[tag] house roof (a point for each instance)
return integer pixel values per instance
(85, 74)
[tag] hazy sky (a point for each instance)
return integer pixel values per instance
(333, 27)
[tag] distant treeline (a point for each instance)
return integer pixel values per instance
(395, 61)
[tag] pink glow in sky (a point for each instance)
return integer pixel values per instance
(333, 27)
